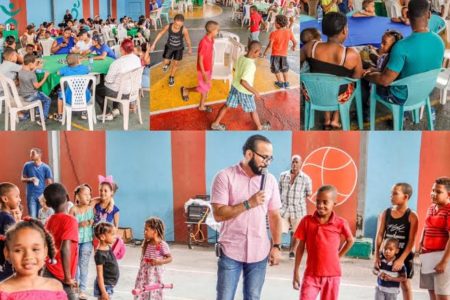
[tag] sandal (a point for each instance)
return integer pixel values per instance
(336, 127)
(327, 127)
(219, 127)
(207, 109)
(266, 126)
(183, 96)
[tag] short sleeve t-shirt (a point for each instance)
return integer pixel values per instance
(255, 21)
(63, 227)
(71, 71)
(27, 79)
(418, 53)
(103, 48)
(41, 172)
(6, 220)
(83, 46)
(206, 49)
(158, 251)
(322, 244)
(245, 70)
(437, 228)
(387, 268)
(9, 69)
(66, 49)
(280, 41)
(101, 214)
(110, 266)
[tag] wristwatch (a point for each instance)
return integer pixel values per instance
(277, 246)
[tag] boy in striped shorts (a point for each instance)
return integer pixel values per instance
(242, 91)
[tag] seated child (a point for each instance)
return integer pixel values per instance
(306, 36)
(380, 57)
(367, 11)
(45, 212)
(388, 286)
(73, 68)
(404, 18)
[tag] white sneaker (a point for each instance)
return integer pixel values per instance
(115, 112)
(108, 117)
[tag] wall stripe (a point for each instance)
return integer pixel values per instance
(96, 7)
(434, 163)
(147, 8)
(188, 172)
(86, 9)
(337, 168)
(82, 159)
(114, 8)
(21, 17)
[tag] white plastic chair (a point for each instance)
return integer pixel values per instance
(235, 13)
(156, 17)
(132, 80)
(78, 85)
(270, 20)
(107, 34)
(189, 5)
(116, 50)
(14, 104)
(121, 34)
(46, 45)
(246, 15)
(220, 70)
(227, 34)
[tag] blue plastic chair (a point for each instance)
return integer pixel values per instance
(436, 24)
(419, 88)
(305, 18)
(323, 91)
(350, 13)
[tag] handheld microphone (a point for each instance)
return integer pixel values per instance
(263, 179)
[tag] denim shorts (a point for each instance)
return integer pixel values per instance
(98, 293)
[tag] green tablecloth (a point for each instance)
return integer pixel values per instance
(13, 33)
(380, 9)
(52, 66)
(262, 6)
(132, 32)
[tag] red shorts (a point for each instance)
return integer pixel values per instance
(328, 287)
(202, 86)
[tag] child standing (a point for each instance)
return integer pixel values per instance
(279, 44)
(64, 229)
(105, 210)
(204, 66)
(401, 223)
(435, 242)
(44, 212)
(321, 234)
(105, 262)
(173, 50)
(84, 214)
(28, 84)
(389, 280)
(28, 241)
(10, 199)
(242, 91)
(155, 254)
(255, 23)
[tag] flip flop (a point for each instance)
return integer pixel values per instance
(327, 127)
(207, 109)
(266, 126)
(219, 127)
(185, 98)
(334, 127)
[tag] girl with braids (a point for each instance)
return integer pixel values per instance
(155, 254)
(28, 245)
(105, 262)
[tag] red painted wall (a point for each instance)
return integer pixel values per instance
(114, 9)
(304, 143)
(96, 7)
(188, 169)
(86, 9)
(21, 17)
(434, 163)
(16, 152)
(82, 159)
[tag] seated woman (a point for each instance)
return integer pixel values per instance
(100, 49)
(367, 11)
(332, 57)
(404, 17)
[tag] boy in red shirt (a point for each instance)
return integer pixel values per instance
(64, 229)
(435, 242)
(204, 66)
(321, 234)
(279, 44)
(255, 22)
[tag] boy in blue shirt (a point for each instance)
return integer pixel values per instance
(73, 68)
(100, 49)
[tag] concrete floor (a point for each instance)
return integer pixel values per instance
(193, 273)
(79, 124)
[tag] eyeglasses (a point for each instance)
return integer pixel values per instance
(267, 159)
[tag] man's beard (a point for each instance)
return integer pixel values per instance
(255, 169)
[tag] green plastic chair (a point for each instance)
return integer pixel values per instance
(323, 91)
(350, 13)
(436, 24)
(419, 88)
(305, 18)
(165, 12)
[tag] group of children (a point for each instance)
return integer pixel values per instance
(48, 258)
(321, 235)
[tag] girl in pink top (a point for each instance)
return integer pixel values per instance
(28, 245)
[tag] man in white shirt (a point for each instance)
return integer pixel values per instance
(84, 43)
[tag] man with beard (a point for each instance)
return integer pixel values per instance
(36, 174)
(242, 207)
(295, 190)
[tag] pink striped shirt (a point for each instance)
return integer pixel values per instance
(245, 237)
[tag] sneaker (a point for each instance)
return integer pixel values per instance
(286, 85)
(166, 67)
(171, 81)
(279, 85)
(58, 118)
(291, 255)
(115, 112)
(84, 115)
(108, 117)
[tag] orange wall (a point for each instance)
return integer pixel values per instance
(86, 9)
(96, 7)
(304, 143)
(83, 158)
(188, 173)
(114, 8)
(21, 18)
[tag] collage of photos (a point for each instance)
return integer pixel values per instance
(224, 150)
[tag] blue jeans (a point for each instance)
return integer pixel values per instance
(109, 290)
(228, 275)
(146, 78)
(33, 205)
(84, 254)
(43, 98)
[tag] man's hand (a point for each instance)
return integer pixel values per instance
(257, 199)
(104, 296)
(398, 265)
(190, 51)
(440, 267)
(377, 263)
(296, 281)
(274, 256)
(70, 282)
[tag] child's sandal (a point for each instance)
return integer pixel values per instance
(183, 96)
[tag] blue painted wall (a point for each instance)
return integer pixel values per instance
(39, 11)
(121, 8)
(392, 157)
(104, 9)
(60, 10)
(141, 164)
(135, 8)
(4, 17)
